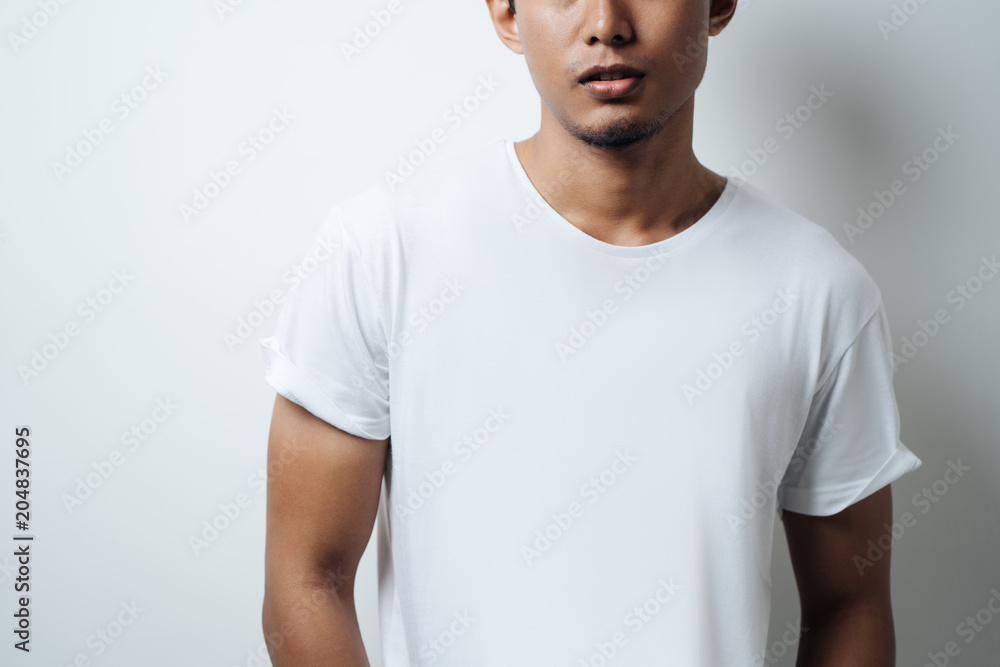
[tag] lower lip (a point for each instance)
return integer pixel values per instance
(605, 90)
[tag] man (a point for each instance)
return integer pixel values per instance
(606, 371)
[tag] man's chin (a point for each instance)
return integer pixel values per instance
(616, 135)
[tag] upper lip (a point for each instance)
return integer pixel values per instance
(624, 70)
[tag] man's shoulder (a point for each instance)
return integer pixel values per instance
(808, 253)
(777, 223)
(796, 238)
(420, 192)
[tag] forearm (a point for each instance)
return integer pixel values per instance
(861, 637)
(312, 626)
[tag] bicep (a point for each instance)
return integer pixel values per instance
(322, 498)
(832, 558)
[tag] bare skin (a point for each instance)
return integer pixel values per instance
(635, 179)
(846, 609)
(322, 499)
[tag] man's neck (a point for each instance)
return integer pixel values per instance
(634, 196)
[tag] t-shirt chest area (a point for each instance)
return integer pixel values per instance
(658, 315)
(617, 349)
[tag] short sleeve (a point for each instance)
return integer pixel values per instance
(328, 350)
(850, 446)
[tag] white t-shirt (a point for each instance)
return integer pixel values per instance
(590, 443)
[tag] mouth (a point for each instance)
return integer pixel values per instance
(611, 73)
(610, 81)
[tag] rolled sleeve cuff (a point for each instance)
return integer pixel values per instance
(831, 500)
(294, 384)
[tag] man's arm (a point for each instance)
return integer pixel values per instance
(846, 609)
(322, 498)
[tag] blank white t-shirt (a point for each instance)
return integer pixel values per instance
(590, 444)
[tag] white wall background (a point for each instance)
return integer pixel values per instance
(162, 336)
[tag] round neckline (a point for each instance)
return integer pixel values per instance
(693, 232)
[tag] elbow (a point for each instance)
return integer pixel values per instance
(297, 592)
(284, 615)
(275, 622)
(876, 617)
